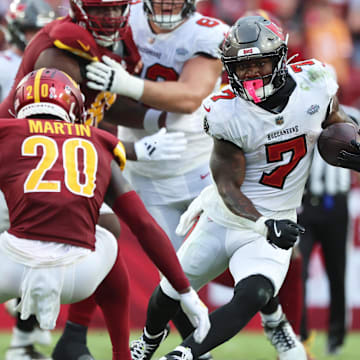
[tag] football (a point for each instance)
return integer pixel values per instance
(335, 138)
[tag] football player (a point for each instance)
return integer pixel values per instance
(264, 125)
(24, 19)
(92, 29)
(55, 168)
(181, 66)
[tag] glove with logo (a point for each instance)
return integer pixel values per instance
(161, 146)
(350, 160)
(109, 75)
(283, 233)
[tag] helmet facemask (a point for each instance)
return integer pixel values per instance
(106, 30)
(164, 14)
(250, 40)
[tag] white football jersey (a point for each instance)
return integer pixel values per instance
(9, 63)
(164, 56)
(278, 147)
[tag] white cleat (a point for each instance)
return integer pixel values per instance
(283, 338)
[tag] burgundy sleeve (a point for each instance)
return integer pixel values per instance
(152, 238)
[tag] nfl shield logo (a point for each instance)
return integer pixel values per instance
(279, 120)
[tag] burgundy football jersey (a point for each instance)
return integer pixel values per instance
(77, 41)
(54, 176)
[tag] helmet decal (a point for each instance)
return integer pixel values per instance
(49, 92)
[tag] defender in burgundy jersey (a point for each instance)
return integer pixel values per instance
(55, 173)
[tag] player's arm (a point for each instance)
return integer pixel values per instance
(228, 166)
(59, 59)
(197, 80)
(336, 114)
(129, 207)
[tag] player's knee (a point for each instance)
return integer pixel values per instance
(255, 289)
(160, 300)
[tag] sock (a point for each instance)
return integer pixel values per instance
(160, 310)
(291, 294)
(250, 295)
(82, 312)
(21, 338)
(112, 296)
(75, 332)
(275, 317)
(182, 324)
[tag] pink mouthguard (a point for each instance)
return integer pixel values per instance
(252, 85)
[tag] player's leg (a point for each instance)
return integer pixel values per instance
(259, 271)
(22, 341)
(333, 238)
(202, 257)
(291, 292)
(73, 340)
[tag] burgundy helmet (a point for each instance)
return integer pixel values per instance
(49, 92)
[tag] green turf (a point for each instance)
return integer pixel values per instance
(246, 346)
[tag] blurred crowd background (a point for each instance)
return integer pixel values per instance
(328, 30)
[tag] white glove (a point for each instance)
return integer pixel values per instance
(197, 312)
(161, 146)
(109, 75)
(188, 218)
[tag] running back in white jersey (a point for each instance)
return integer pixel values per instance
(278, 147)
(9, 64)
(164, 56)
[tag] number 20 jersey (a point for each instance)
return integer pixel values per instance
(164, 56)
(54, 176)
(278, 148)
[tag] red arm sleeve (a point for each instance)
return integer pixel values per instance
(152, 238)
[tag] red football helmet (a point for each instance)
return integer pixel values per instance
(49, 92)
(107, 25)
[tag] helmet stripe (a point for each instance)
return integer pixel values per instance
(37, 85)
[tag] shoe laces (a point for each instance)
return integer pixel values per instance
(281, 336)
(142, 349)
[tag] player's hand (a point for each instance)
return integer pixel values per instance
(109, 75)
(189, 217)
(350, 160)
(161, 146)
(197, 312)
(283, 233)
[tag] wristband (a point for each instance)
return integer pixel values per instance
(260, 227)
(135, 88)
(151, 120)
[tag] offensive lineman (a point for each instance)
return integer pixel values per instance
(179, 49)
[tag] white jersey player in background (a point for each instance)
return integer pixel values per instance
(24, 19)
(180, 52)
(181, 66)
(264, 126)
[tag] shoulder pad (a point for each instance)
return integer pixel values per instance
(73, 38)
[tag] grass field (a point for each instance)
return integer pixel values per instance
(246, 346)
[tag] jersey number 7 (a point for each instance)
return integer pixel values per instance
(275, 152)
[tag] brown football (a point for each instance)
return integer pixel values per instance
(335, 138)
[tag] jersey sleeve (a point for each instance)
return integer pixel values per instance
(217, 118)
(73, 38)
(115, 146)
(213, 34)
(317, 74)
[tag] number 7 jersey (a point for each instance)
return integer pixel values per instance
(278, 148)
(54, 176)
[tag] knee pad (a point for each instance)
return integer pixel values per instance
(256, 288)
